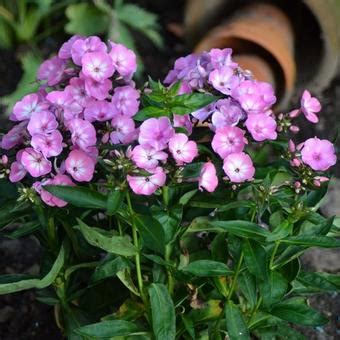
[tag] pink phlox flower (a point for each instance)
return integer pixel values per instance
(65, 107)
(76, 91)
(124, 130)
(310, 106)
(50, 145)
(126, 100)
(319, 154)
(183, 121)
(261, 126)
(28, 105)
(124, 60)
(238, 167)
(98, 90)
(227, 140)
(65, 49)
(224, 80)
(156, 132)
(83, 133)
(227, 113)
(50, 199)
(146, 157)
(220, 58)
(254, 96)
(99, 110)
(52, 70)
(15, 136)
(97, 65)
(35, 162)
(204, 113)
(80, 166)
(147, 185)
(18, 171)
(182, 150)
(88, 45)
(42, 123)
(208, 179)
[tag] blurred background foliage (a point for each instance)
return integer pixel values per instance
(34, 29)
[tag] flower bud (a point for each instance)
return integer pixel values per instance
(317, 183)
(294, 113)
(297, 185)
(296, 162)
(294, 129)
(291, 146)
(321, 179)
(4, 160)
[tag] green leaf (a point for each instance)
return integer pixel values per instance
(163, 312)
(290, 253)
(108, 329)
(282, 230)
(242, 229)
(299, 313)
(247, 284)
(27, 84)
(109, 268)
(207, 268)
(125, 277)
(255, 258)
(315, 280)
(184, 200)
(151, 232)
(98, 238)
(237, 204)
(322, 228)
(151, 112)
(136, 16)
(23, 230)
(189, 326)
(187, 103)
(236, 326)
(11, 287)
(78, 196)
(169, 219)
(86, 19)
(114, 201)
(313, 241)
(273, 289)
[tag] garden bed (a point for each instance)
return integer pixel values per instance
(22, 317)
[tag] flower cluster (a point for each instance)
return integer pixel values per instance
(86, 95)
(87, 100)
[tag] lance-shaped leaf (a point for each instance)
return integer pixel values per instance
(313, 241)
(78, 196)
(236, 326)
(17, 286)
(113, 244)
(207, 268)
(163, 312)
(108, 329)
(255, 258)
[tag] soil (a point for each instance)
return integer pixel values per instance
(24, 318)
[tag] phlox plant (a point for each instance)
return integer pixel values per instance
(178, 210)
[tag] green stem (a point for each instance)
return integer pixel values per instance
(52, 236)
(119, 227)
(255, 310)
(137, 257)
(272, 257)
(237, 271)
(171, 282)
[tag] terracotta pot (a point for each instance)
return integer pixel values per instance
(262, 40)
(316, 32)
